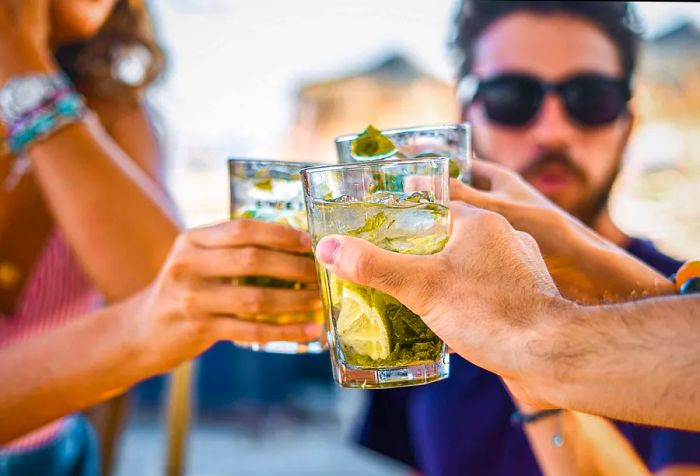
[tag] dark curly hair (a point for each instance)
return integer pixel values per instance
(617, 19)
(94, 64)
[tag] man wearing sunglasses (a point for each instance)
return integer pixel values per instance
(546, 86)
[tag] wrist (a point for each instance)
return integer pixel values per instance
(164, 335)
(522, 417)
(552, 339)
(25, 59)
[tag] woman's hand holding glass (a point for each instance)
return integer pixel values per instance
(195, 301)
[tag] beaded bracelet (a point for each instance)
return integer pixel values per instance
(64, 108)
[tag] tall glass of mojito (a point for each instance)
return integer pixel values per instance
(271, 191)
(449, 140)
(401, 206)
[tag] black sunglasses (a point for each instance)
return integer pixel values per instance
(515, 99)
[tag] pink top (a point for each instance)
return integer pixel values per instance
(56, 292)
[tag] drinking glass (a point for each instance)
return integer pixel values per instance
(271, 191)
(401, 206)
(449, 140)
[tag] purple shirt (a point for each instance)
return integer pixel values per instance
(462, 425)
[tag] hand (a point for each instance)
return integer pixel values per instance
(503, 191)
(24, 37)
(192, 303)
(485, 294)
(584, 265)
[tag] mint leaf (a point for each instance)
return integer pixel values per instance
(372, 143)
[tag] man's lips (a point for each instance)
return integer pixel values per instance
(551, 180)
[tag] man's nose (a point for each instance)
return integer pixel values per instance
(552, 127)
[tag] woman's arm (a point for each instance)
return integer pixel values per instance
(116, 218)
(186, 310)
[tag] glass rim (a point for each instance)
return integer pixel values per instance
(369, 164)
(274, 162)
(405, 130)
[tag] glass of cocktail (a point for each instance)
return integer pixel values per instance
(449, 140)
(401, 206)
(271, 191)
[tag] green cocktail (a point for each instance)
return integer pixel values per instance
(375, 340)
(271, 191)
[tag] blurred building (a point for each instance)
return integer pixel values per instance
(658, 196)
(670, 75)
(393, 93)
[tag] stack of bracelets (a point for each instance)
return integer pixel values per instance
(63, 106)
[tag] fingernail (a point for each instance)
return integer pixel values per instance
(305, 240)
(326, 250)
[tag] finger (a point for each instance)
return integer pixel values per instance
(474, 227)
(247, 232)
(488, 175)
(226, 328)
(408, 278)
(250, 261)
(465, 193)
(249, 301)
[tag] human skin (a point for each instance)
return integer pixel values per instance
(553, 47)
(588, 269)
(100, 179)
(118, 221)
(542, 46)
(188, 308)
(489, 295)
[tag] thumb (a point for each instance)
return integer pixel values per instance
(409, 278)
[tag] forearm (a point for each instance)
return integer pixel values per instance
(592, 270)
(553, 460)
(591, 445)
(118, 221)
(594, 446)
(636, 361)
(71, 368)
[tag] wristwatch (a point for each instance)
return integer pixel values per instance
(24, 94)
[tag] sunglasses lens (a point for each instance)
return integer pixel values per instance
(594, 100)
(511, 100)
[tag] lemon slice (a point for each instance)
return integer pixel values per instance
(336, 286)
(360, 325)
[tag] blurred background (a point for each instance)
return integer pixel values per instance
(280, 79)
